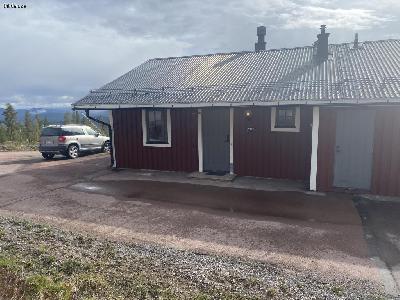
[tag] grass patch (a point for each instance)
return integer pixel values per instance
(44, 287)
(8, 263)
(337, 290)
(17, 146)
(271, 293)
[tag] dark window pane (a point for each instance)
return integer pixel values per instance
(67, 132)
(285, 118)
(70, 131)
(156, 126)
(50, 131)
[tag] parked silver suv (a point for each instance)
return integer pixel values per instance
(70, 140)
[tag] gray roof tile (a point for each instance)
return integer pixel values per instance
(368, 74)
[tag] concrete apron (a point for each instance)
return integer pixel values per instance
(390, 277)
(384, 246)
(231, 181)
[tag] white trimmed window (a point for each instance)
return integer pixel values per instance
(285, 118)
(156, 127)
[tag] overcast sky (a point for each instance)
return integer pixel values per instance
(53, 52)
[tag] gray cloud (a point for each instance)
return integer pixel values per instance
(53, 52)
(311, 16)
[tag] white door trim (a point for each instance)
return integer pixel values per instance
(200, 139)
(111, 120)
(231, 115)
(314, 149)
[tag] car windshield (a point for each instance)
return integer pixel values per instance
(50, 131)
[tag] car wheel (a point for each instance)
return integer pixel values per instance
(73, 151)
(48, 155)
(106, 147)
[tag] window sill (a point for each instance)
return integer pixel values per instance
(277, 129)
(157, 145)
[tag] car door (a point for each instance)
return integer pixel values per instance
(94, 142)
(85, 140)
(75, 134)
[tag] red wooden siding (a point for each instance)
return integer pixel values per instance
(386, 164)
(263, 153)
(326, 148)
(386, 154)
(130, 152)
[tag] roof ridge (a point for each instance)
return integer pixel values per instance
(267, 50)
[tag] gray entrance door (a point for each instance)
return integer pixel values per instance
(215, 129)
(354, 147)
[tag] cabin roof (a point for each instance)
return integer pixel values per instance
(369, 73)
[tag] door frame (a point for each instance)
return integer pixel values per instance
(200, 140)
(372, 141)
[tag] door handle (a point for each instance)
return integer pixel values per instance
(227, 138)
(337, 149)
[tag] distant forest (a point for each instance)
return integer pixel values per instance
(24, 135)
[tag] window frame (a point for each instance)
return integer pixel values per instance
(144, 130)
(285, 129)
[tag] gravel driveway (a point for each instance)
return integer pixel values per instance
(304, 235)
(59, 264)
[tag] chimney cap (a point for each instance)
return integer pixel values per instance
(322, 45)
(261, 30)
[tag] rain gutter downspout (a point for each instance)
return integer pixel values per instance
(110, 134)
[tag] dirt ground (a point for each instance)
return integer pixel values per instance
(318, 234)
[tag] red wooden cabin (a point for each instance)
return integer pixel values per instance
(326, 114)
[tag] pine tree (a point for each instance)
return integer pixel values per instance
(3, 133)
(37, 127)
(46, 122)
(28, 127)
(77, 118)
(67, 118)
(10, 121)
(19, 133)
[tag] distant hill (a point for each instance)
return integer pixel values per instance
(54, 115)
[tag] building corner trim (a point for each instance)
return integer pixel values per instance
(111, 120)
(314, 149)
(200, 139)
(231, 121)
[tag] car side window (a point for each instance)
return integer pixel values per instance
(72, 131)
(90, 131)
(79, 131)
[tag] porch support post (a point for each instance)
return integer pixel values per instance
(200, 140)
(231, 114)
(314, 149)
(112, 137)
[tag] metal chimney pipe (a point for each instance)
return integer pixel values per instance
(322, 45)
(355, 44)
(261, 32)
